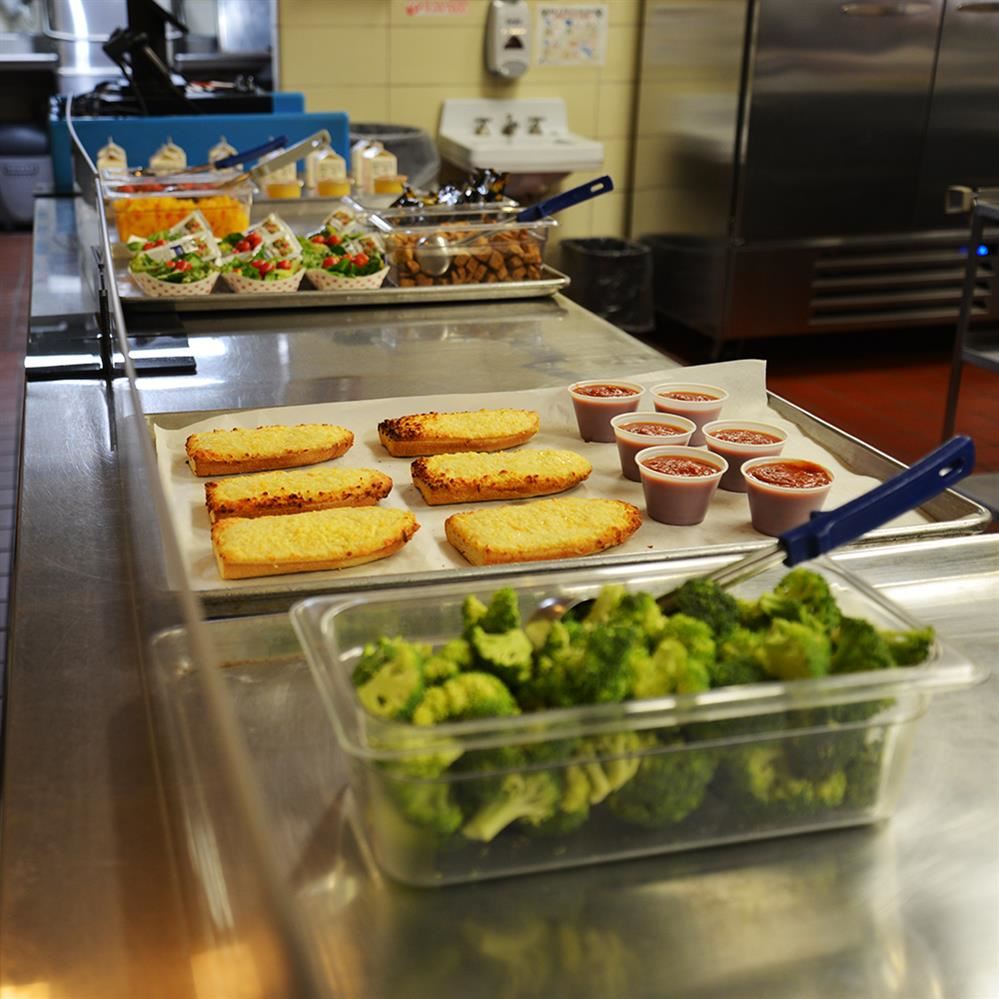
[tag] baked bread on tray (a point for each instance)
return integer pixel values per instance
(564, 527)
(471, 476)
(226, 452)
(283, 492)
(447, 433)
(309, 542)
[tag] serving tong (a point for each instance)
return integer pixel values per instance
(826, 529)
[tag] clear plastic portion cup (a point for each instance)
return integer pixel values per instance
(597, 400)
(680, 496)
(700, 403)
(775, 508)
(739, 440)
(651, 429)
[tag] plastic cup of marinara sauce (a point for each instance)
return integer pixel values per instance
(739, 440)
(636, 431)
(679, 482)
(784, 492)
(597, 400)
(700, 403)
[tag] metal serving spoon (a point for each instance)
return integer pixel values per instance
(435, 253)
(827, 529)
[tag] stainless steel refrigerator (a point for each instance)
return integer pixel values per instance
(792, 160)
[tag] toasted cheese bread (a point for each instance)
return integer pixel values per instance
(225, 452)
(295, 491)
(545, 529)
(473, 475)
(447, 433)
(308, 542)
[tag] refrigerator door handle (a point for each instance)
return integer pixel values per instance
(979, 7)
(875, 8)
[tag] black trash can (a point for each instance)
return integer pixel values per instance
(613, 278)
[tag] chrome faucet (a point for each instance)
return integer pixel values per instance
(509, 126)
(534, 125)
(482, 126)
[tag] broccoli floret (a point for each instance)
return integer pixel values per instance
(751, 614)
(637, 609)
(669, 670)
(820, 754)
(448, 661)
(531, 797)
(707, 601)
(607, 762)
(573, 806)
(606, 603)
(857, 645)
(508, 654)
(503, 612)
(415, 787)
(537, 631)
(863, 776)
(468, 695)
(668, 786)
(695, 636)
(809, 589)
(473, 610)
(395, 689)
(377, 654)
(761, 777)
(909, 648)
(791, 650)
(737, 660)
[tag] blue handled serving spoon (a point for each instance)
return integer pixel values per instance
(828, 529)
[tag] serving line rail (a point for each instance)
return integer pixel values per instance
(99, 897)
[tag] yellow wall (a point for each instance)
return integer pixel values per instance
(377, 63)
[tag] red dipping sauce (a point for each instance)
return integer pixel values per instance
(651, 429)
(792, 474)
(604, 391)
(746, 436)
(674, 465)
(689, 396)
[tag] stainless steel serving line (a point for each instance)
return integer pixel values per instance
(107, 888)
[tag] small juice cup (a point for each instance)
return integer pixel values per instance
(700, 403)
(739, 440)
(679, 492)
(597, 400)
(656, 429)
(784, 492)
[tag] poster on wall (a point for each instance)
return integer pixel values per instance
(572, 34)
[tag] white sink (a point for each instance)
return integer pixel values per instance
(517, 136)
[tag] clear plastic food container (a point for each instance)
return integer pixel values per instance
(685, 771)
(476, 245)
(142, 205)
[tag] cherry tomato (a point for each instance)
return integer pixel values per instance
(360, 259)
(255, 239)
(257, 263)
(184, 265)
(171, 265)
(243, 245)
(149, 245)
(330, 261)
(284, 265)
(267, 266)
(318, 239)
(333, 240)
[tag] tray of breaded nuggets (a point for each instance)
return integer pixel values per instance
(396, 491)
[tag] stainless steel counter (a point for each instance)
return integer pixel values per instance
(92, 901)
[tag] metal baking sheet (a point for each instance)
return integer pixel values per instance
(223, 300)
(948, 515)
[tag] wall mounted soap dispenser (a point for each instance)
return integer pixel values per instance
(508, 38)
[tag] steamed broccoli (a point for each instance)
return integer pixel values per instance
(508, 654)
(705, 600)
(573, 806)
(695, 636)
(607, 762)
(448, 661)
(468, 695)
(420, 794)
(637, 609)
(376, 654)
(532, 797)
(791, 650)
(909, 648)
(668, 786)
(501, 614)
(737, 660)
(820, 754)
(394, 689)
(863, 776)
(669, 670)
(473, 610)
(761, 776)
(857, 646)
(810, 590)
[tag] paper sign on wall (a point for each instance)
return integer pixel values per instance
(572, 34)
(436, 8)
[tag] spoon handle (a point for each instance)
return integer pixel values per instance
(566, 199)
(928, 477)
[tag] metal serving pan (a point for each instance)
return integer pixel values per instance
(948, 515)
